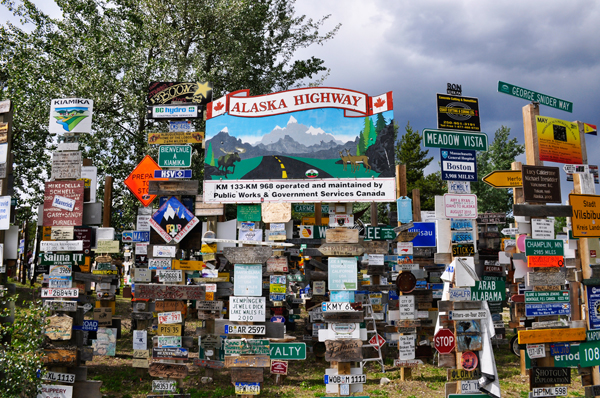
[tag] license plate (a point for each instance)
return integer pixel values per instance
(345, 379)
(247, 388)
(536, 351)
(167, 275)
(469, 386)
(245, 329)
(463, 250)
(61, 377)
(60, 292)
(164, 386)
(169, 317)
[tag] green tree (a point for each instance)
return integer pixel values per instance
(110, 50)
(501, 153)
(210, 156)
(380, 123)
(409, 153)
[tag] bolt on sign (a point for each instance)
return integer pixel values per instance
(362, 175)
(173, 221)
(63, 203)
(138, 180)
(541, 184)
(71, 115)
(457, 113)
(199, 93)
(175, 156)
(586, 215)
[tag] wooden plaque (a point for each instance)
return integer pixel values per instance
(173, 188)
(341, 235)
(276, 212)
(60, 356)
(343, 350)
(248, 375)
(168, 370)
(341, 249)
(248, 361)
(247, 255)
(376, 247)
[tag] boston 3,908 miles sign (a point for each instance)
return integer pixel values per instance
(317, 144)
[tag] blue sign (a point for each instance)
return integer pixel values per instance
(88, 326)
(426, 237)
(393, 295)
(458, 165)
(173, 220)
(180, 126)
(277, 297)
(405, 212)
(435, 286)
(560, 348)
(136, 236)
(341, 296)
(172, 173)
(547, 309)
(593, 294)
(278, 319)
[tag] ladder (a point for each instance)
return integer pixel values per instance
(369, 318)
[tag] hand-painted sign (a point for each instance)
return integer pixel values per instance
(455, 140)
(310, 116)
(458, 165)
(551, 335)
(63, 203)
(66, 165)
(173, 220)
(139, 179)
(457, 113)
(534, 96)
(71, 115)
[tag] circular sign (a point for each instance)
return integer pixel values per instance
(469, 360)
(444, 341)
(406, 282)
(312, 173)
(521, 242)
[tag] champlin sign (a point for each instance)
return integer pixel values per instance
(317, 144)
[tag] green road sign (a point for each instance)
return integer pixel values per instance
(380, 233)
(244, 347)
(175, 156)
(488, 291)
(288, 351)
(309, 208)
(455, 140)
(589, 354)
(558, 296)
(248, 212)
(544, 247)
(531, 95)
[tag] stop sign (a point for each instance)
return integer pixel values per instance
(444, 341)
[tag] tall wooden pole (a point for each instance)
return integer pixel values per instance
(108, 185)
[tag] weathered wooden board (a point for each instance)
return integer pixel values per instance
(164, 306)
(247, 375)
(206, 363)
(170, 188)
(170, 292)
(168, 370)
(542, 211)
(341, 249)
(247, 255)
(248, 361)
(376, 246)
(141, 316)
(592, 391)
(59, 327)
(85, 277)
(67, 306)
(341, 235)
(548, 276)
(405, 236)
(551, 335)
(276, 212)
(208, 209)
(60, 356)
(343, 317)
(141, 354)
(343, 350)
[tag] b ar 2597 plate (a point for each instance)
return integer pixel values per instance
(245, 329)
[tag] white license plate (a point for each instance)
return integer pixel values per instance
(469, 386)
(549, 392)
(164, 386)
(247, 388)
(245, 329)
(61, 377)
(346, 379)
(60, 292)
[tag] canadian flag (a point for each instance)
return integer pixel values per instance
(216, 108)
(381, 103)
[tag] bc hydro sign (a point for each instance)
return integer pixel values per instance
(458, 165)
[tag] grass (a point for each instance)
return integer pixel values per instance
(304, 380)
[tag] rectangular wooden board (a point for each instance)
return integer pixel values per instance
(248, 375)
(248, 361)
(551, 335)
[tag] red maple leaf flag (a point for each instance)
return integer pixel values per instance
(381, 103)
(216, 108)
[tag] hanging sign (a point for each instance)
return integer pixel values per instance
(173, 221)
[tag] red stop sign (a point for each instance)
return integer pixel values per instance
(444, 341)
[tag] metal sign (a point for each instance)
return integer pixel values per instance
(288, 351)
(460, 206)
(173, 221)
(342, 273)
(136, 236)
(534, 96)
(544, 247)
(541, 184)
(173, 173)
(458, 165)
(426, 236)
(251, 309)
(586, 210)
(175, 156)
(455, 140)
(548, 375)
(547, 309)
(138, 180)
(504, 179)
(561, 296)
(379, 233)
(172, 111)
(71, 115)
(457, 113)
(175, 138)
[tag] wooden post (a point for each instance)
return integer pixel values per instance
(416, 203)
(108, 185)
(318, 214)
(532, 150)
(374, 218)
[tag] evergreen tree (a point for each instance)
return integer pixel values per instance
(372, 134)
(380, 123)
(210, 156)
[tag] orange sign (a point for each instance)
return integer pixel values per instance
(545, 261)
(139, 179)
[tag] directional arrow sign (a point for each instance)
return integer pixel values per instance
(504, 179)
(510, 231)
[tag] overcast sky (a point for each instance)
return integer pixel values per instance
(414, 48)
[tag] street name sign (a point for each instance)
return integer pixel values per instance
(534, 96)
(544, 247)
(455, 140)
(175, 156)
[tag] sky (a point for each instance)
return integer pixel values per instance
(414, 48)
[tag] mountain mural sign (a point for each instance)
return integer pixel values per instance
(293, 146)
(173, 221)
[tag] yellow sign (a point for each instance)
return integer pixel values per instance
(586, 215)
(184, 137)
(46, 233)
(311, 221)
(277, 288)
(504, 179)
(188, 265)
(107, 246)
(551, 335)
(558, 140)
(104, 272)
(172, 330)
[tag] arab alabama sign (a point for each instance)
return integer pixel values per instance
(239, 168)
(139, 179)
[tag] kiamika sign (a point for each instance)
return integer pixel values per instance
(488, 291)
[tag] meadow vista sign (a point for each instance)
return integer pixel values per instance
(335, 146)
